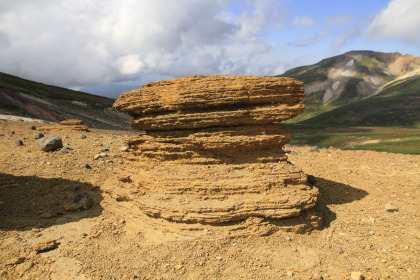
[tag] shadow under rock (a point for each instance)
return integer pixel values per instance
(334, 193)
(28, 202)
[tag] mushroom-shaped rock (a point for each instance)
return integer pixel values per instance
(216, 149)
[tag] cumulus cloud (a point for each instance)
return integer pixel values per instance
(82, 43)
(400, 20)
(303, 21)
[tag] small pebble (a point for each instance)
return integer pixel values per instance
(19, 143)
(390, 208)
(124, 149)
(314, 149)
(82, 136)
(357, 275)
(339, 250)
(87, 166)
(38, 135)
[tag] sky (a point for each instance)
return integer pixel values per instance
(107, 47)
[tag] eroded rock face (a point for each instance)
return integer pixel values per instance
(219, 154)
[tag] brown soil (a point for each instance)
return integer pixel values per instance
(42, 237)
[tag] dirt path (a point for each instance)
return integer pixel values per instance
(369, 200)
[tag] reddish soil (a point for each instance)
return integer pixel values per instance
(369, 202)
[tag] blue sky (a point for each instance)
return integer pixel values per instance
(110, 46)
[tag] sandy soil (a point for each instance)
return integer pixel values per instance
(369, 201)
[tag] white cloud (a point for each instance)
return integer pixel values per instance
(400, 20)
(310, 39)
(339, 19)
(87, 42)
(303, 21)
(347, 37)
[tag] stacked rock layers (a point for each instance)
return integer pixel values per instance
(212, 116)
(227, 123)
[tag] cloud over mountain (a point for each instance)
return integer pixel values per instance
(90, 42)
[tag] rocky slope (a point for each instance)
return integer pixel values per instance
(31, 99)
(363, 88)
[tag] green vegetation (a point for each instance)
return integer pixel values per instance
(53, 94)
(312, 73)
(391, 139)
(397, 105)
(31, 99)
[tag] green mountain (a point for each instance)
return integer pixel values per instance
(361, 88)
(31, 99)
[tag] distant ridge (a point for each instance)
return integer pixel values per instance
(361, 88)
(31, 99)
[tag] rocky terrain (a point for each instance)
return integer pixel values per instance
(369, 201)
(128, 205)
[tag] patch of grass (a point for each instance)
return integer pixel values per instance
(390, 139)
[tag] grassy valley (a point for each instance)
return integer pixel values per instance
(375, 103)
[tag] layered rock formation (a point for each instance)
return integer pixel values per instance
(219, 152)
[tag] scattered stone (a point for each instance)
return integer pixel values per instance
(38, 135)
(124, 149)
(16, 260)
(368, 220)
(47, 215)
(45, 245)
(290, 273)
(317, 277)
(288, 238)
(84, 200)
(98, 156)
(178, 267)
(80, 201)
(65, 150)
(49, 143)
(314, 149)
(326, 151)
(19, 143)
(87, 166)
(11, 132)
(125, 179)
(357, 275)
(32, 127)
(294, 153)
(71, 122)
(82, 136)
(338, 250)
(105, 149)
(391, 208)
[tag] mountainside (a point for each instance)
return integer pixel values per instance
(361, 88)
(31, 99)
